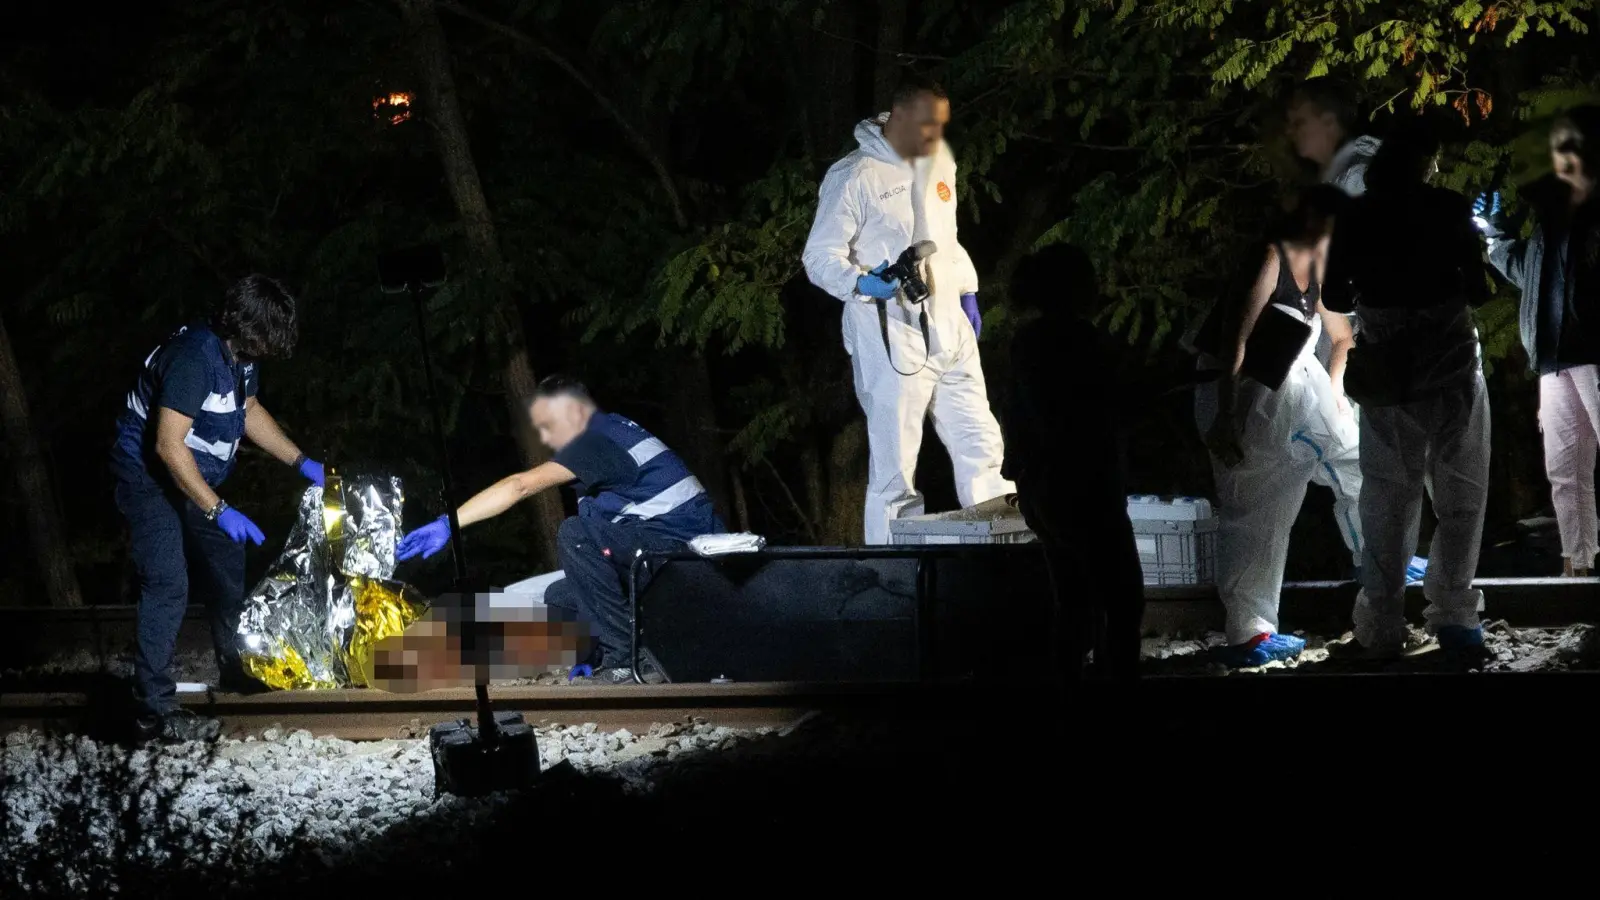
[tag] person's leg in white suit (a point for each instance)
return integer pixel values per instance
(1394, 449)
(1569, 417)
(1335, 437)
(1284, 442)
(1441, 446)
(896, 406)
(966, 425)
(1458, 476)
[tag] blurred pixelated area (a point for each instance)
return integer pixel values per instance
(467, 639)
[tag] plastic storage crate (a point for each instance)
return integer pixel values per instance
(1177, 539)
(992, 522)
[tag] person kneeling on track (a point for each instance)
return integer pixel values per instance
(635, 496)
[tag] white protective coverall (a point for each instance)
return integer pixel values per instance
(1441, 443)
(1291, 437)
(873, 205)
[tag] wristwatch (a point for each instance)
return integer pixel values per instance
(215, 511)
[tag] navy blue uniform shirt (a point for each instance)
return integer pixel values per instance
(195, 374)
(627, 475)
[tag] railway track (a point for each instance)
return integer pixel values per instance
(86, 702)
(374, 715)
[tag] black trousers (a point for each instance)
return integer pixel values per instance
(179, 556)
(595, 555)
(1094, 573)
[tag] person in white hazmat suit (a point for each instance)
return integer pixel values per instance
(1406, 258)
(1268, 443)
(910, 361)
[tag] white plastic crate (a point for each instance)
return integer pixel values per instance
(1177, 539)
(993, 522)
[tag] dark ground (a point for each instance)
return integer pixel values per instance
(1175, 770)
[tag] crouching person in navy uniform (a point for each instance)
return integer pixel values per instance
(634, 496)
(177, 441)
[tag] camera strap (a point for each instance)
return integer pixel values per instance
(883, 326)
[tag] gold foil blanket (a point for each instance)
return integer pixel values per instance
(314, 621)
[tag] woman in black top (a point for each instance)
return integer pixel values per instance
(1275, 421)
(1556, 269)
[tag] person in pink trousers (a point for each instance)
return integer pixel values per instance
(1558, 269)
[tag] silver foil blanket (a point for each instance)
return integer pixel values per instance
(314, 620)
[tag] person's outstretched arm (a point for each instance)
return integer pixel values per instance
(486, 504)
(511, 490)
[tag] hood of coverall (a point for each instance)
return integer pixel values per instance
(869, 134)
(1362, 149)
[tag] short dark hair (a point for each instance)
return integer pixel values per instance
(1330, 96)
(1309, 214)
(562, 386)
(258, 315)
(913, 86)
(1055, 278)
(1403, 157)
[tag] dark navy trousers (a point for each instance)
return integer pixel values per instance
(595, 555)
(179, 556)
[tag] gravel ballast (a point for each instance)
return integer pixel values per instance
(1512, 650)
(237, 806)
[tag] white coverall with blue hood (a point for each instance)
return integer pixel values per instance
(872, 206)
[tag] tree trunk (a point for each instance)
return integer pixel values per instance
(833, 105)
(44, 520)
(442, 112)
(811, 472)
(847, 485)
(891, 39)
(741, 505)
(695, 419)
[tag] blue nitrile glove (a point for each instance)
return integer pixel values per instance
(1484, 209)
(873, 285)
(239, 527)
(581, 670)
(1417, 570)
(427, 540)
(312, 470)
(969, 305)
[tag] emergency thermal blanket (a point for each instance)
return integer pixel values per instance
(313, 622)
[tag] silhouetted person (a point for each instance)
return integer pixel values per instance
(1064, 451)
(1406, 257)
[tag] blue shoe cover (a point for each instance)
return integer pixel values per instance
(1263, 649)
(1460, 637)
(582, 670)
(1416, 571)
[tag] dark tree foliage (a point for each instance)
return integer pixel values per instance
(651, 167)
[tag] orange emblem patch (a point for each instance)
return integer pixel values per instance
(944, 192)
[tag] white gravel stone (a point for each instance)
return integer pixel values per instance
(263, 797)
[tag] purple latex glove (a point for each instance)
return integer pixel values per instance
(969, 305)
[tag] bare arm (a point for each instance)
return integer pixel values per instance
(1341, 337)
(171, 428)
(1239, 328)
(507, 492)
(263, 431)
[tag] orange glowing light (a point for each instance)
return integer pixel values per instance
(397, 106)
